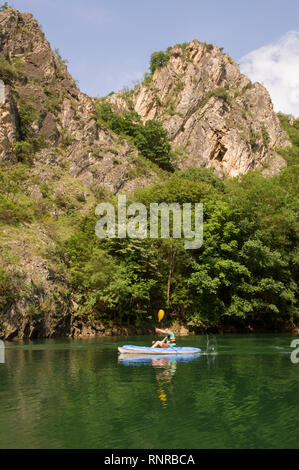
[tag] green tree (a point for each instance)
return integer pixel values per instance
(158, 59)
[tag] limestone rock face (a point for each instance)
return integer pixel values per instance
(214, 115)
(59, 119)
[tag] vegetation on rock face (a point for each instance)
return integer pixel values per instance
(4, 6)
(221, 93)
(158, 59)
(291, 154)
(150, 139)
(10, 71)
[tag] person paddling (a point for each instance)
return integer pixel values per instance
(169, 340)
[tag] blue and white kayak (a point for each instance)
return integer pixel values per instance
(131, 349)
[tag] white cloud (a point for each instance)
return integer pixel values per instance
(276, 66)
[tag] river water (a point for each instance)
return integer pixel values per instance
(67, 393)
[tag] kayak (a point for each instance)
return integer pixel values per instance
(131, 349)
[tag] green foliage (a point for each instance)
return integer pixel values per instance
(182, 45)
(23, 151)
(209, 47)
(246, 272)
(10, 71)
(14, 206)
(150, 139)
(178, 86)
(4, 6)
(291, 154)
(28, 114)
(57, 54)
(11, 283)
(266, 137)
(152, 142)
(65, 139)
(147, 79)
(204, 175)
(220, 92)
(254, 136)
(158, 59)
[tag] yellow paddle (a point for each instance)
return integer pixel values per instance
(161, 314)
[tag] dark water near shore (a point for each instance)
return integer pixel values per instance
(67, 393)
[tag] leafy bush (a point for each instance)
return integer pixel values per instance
(4, 6)
(58, 55)
(291, 154)
(158, 59)
(220, 92)
(202, 174)
(9, 71)
(11, 286)
(266, 137)
(28, 114)
(23, 151)
(150, 139)
(182, 45)
(15, 207)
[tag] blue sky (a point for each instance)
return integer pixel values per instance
(108, 42)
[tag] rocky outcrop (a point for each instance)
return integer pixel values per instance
(43, 105)
(214, 115)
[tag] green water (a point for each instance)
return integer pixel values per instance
(80, 394)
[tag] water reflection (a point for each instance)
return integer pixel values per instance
(138, 359)
(211, 347)
(81, 394)
(165, 369)
(164, 366)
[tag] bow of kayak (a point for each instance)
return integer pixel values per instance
(131, 349)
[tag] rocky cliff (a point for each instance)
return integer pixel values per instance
(58, 159)
(44, 107)
(214, 115)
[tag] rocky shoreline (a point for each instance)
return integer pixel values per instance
(72, 327)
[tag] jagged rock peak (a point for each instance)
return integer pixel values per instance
(214, 115)
(46, 120)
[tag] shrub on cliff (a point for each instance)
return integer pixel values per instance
(9, 71)
(150, 139)
(158, 59)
